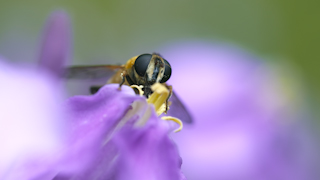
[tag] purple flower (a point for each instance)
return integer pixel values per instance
(247, 126)
(110, 135)
(117, 141)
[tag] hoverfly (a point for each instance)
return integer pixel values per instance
(145, 70)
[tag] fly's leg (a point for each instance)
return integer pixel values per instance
(167, 101)
(123, 77)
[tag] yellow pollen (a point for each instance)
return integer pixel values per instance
(158, 98)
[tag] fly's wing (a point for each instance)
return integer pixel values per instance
(80, 79)
(177, 109)
(91, 72)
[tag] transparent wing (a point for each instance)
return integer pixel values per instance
(91, 72)
(80, 79)
(177, 109)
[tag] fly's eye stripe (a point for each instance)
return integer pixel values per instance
(167, 72)
(141, 64)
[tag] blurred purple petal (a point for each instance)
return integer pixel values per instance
(56, 43)
(245, 125)
(30, 120)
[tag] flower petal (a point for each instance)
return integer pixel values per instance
(30, 121)
(245, 126)
(147, 153)
(55, 49)
(106, 144)
(92, 120)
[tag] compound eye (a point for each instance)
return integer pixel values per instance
(167, 72)
(141, 64)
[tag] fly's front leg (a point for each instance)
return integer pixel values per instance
(123, 77)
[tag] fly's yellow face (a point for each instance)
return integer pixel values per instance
(149, 69)
(146, 70)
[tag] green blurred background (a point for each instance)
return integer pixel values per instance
(282, 31)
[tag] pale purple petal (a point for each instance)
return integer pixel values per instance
(30, 120)
(245, 126)
(56, 43)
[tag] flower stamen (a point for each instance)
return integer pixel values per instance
(176, 120)
(159, 98)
